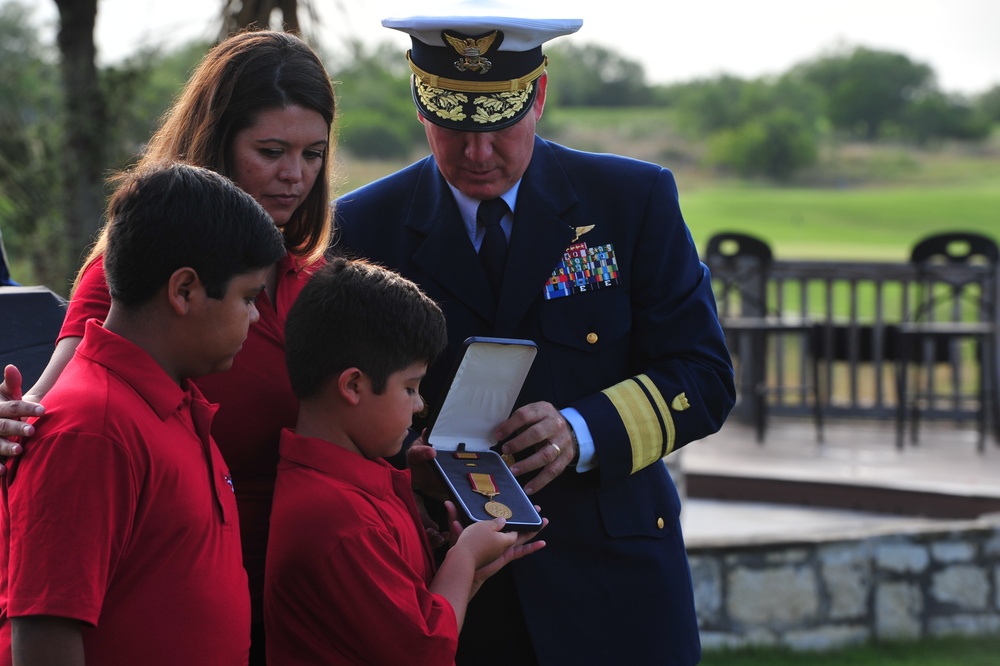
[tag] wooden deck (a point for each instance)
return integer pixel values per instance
(858, 467)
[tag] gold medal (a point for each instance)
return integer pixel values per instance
(507, 458)
(498, 510)
(484, 484)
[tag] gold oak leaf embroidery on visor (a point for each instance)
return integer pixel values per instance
(442, 103)
(491, 109)
(450, 105)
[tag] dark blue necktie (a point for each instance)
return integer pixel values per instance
(493, 251)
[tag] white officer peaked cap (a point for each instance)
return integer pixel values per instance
(526, 25)
(475, 62)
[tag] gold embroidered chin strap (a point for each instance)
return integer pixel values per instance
(512, 85)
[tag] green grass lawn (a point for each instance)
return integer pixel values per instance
(877, 223)
(953, 651)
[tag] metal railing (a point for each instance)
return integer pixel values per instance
(848, 358)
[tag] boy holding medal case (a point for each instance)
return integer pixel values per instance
(347, 554)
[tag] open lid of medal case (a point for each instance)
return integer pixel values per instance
(484, 386)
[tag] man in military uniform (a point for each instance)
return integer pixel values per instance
(592, 260)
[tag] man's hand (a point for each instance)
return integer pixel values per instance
(541, 426)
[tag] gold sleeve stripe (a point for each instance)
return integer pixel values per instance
(662, 412)
(645, 417)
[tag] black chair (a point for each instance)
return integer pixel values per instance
(851, 345)
(954, 310)
(740, 266)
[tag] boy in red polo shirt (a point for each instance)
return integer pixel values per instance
(349, 575)
(119, 521)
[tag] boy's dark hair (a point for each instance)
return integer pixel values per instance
(358, 314)
(173, 215)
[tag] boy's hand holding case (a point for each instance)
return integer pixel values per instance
(484, 387)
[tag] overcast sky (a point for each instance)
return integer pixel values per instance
(675, 41)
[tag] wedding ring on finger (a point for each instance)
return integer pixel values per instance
(556, 447)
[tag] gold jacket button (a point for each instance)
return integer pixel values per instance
(592, 338)
(659, 523)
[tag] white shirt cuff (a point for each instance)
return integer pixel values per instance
(584, 440)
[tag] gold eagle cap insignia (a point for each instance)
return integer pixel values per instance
(581, 231)
(472, 51)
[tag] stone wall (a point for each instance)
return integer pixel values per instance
(823, 593)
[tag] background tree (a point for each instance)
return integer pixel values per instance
(93, 138)
(84, 128)
(988, 104)
(866, 90)
(376, 118)
(708, 105)
(237, 14)
(935, 115)
(775, 145)
(54, 155)
(30, 103)
(139, 89)
(592, 75)
(764, 127)
(274, 14)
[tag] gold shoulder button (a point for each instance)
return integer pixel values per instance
(592, 338)
(659, 523)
